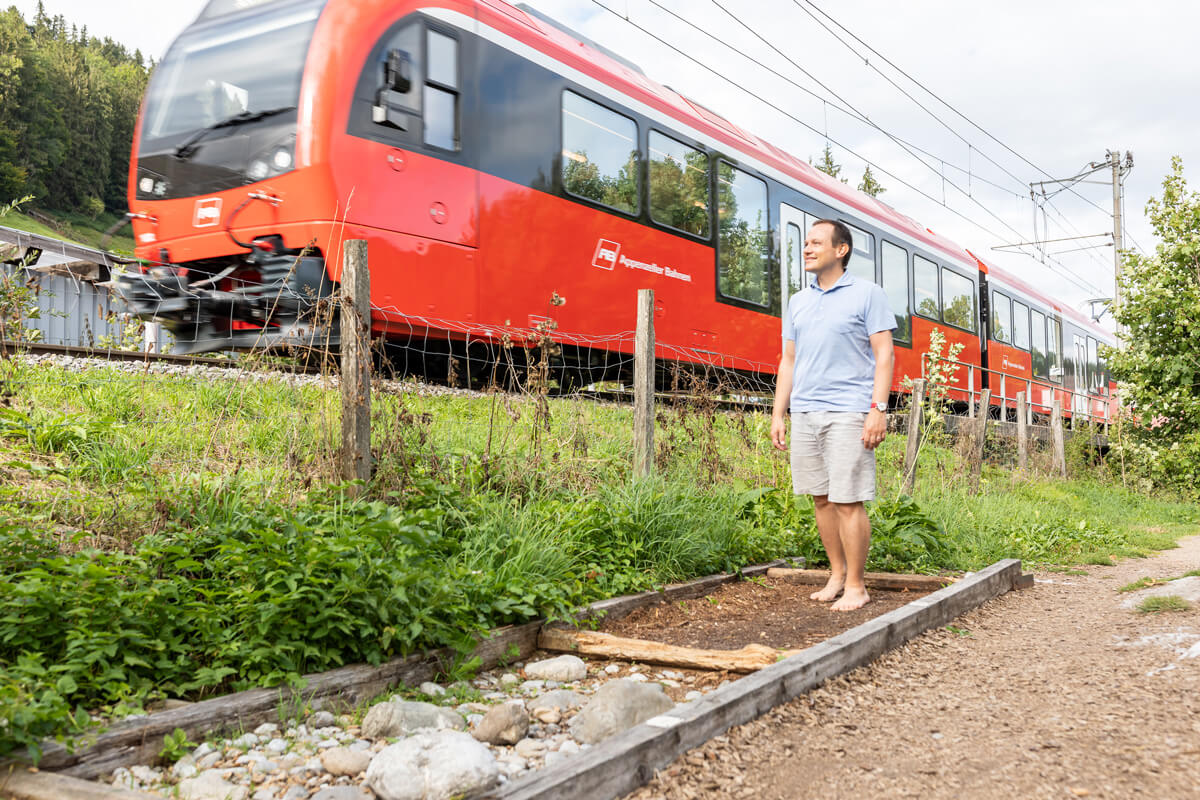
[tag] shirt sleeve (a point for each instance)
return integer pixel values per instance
(789, 329)
(879, 314)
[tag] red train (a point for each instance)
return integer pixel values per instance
(493, 160)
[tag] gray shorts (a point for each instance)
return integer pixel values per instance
(829, 458)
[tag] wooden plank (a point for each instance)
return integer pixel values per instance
(750, 658)
(20, 784)
(643, 386)
(620, 764)
(355, 329)
(913, 447)
(139, 741)
(874, 580)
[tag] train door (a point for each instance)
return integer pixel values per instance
(1079, 390)
(792, 226)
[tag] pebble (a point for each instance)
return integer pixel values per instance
(266, 730)
(432, 689)
(613, 669)
(321, 719)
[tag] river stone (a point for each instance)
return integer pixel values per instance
(400, 718)
(184, 768)
(432, 689)
(321, 719)
(503, 724)
(341, 793)
(344, 761)
(435, 765)
(563, 669)
(210, 786)
(562, 699)
(617, 706)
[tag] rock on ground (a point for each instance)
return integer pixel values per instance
(210, 786)
(432, 766)
(400, 718)
(562, 699)
(344, 761)
(563, 669)
(341, 793)
(617, 706)
(506, 723)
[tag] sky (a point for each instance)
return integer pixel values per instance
(1049, 86)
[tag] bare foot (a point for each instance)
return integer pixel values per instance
(832, 589)
(852, 599)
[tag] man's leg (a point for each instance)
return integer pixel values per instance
(829, 526)
(854, 529)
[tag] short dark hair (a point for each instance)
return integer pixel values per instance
(841, 236)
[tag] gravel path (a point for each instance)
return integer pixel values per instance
(1051, 692)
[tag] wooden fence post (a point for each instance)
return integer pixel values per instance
(355, 330)
(643, 386)
(1022, 433)
(1056, 431)
(985, 400)
(915, 418)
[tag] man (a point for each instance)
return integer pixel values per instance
(835, 375)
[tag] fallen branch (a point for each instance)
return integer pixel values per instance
(750, 658)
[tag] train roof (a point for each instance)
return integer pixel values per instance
(565, 46)
(1000, 276)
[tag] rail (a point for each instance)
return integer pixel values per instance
(1082, 404)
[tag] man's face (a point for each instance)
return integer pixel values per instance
(819, 253)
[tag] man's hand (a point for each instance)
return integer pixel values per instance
(874, 429)
(779, 433)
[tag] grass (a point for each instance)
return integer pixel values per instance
(74, 227)
(1164, 603)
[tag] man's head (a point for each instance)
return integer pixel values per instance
(829, 244)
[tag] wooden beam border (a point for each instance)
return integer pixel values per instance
(624, 762)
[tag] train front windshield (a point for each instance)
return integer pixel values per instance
(221, 107)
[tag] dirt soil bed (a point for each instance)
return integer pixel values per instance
(774, 613)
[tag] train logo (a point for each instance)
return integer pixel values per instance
(208, 213)
(606, 254)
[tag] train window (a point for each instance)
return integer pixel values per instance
(895, 285)
(1001, 313)
(743, 236)
(1093, 364)
(441, 91)
(958, 300)
(1020, 328)
(862, 254)
(443, 60)
(1041, 368)
(925, 288)
(1055, 354)
(678, 185)
(599, 154)
(794, 257)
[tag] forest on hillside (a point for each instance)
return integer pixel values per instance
(68, 106)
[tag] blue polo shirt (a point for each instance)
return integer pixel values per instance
(835, 367)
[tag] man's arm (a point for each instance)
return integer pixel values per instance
(783, 395)
(875, 428)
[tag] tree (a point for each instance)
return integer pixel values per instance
(1157, 363)
(869, 185)
(828, 165)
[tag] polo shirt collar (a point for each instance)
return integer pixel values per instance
(846, 280)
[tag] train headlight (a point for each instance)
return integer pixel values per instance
(271, 161)
(160, 188)
(146, 185)
(258, 170)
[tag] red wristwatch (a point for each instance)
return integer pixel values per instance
(879, 407)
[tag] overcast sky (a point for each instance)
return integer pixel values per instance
(1057, 82)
